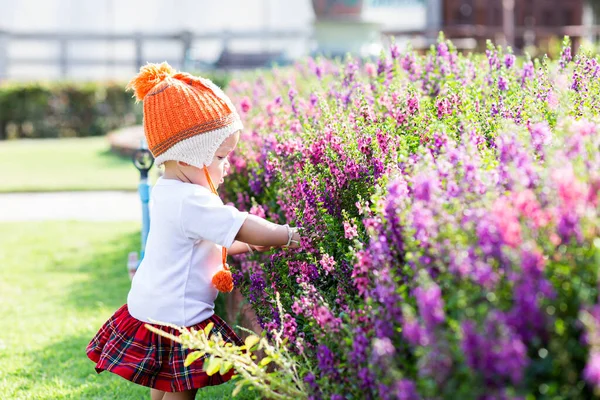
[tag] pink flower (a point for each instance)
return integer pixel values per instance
(592, 369)
(371, 69)
(584, 128)
(258, 211)
(325, 318)
(245, 105)
(526, 203)
(328, 263)
(553, 100)
(570, 191)
(350, 231)
(507, 219)
(296, 127)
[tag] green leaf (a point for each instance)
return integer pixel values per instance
(208, 328)
(225, 367)
(265, 361)
(251, 341)
(238, 388)
(193, 356)
(212, 365)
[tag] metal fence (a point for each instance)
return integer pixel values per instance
(65, 60)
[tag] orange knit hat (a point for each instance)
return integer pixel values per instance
(186, 118)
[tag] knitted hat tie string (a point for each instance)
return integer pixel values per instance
(222, 280)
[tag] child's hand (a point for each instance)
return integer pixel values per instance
(295, 242)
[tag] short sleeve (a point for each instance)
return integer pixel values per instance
(204, 216)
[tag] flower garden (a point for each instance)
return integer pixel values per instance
(450, 212)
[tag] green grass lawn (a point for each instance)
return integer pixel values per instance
(59, 281)
(64, 164)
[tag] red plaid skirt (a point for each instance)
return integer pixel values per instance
(125, 347)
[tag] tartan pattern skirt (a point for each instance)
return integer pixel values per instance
(125, 347)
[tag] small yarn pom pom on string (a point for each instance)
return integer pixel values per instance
(150, 75)
(223, 281)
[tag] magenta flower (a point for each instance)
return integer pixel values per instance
(245, 105)
(350, 230)
(328, 263)
(591, 373)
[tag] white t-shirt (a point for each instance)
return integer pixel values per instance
(188, 226)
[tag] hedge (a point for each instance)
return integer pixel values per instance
(69, 109)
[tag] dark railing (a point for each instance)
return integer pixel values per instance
(482, 32)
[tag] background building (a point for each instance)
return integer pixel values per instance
(532, 22)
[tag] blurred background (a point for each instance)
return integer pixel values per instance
(110, 39)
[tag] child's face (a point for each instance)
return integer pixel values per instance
(219, 168)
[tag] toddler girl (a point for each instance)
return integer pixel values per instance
(191, 127)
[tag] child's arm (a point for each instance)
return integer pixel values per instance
(238, 248)
(260, 232)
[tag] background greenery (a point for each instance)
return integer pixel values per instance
(64, 164)
(70, 109)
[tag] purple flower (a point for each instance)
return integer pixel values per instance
(405, 389)
(528, 72)
(431, 304)
(424, 223)
(311, 380)
(502, 84)
(408, 61)
(565, 56)
(366, 379)
(326, 361)
(351, 69)
(394, 51)
(360, 345)
(509, 60)
(496, 354)
(540, 136)
(313, 99)
(493, 60)
(442, 50)
(257, 286)
(424, 186)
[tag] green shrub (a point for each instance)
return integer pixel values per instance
(70, 109)
(66, 109)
